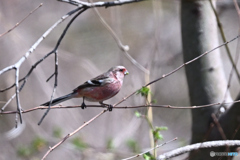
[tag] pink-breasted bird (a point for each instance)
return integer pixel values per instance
(98, 89)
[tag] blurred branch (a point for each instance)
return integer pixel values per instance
(17, 24)
(74, 132)
(224, 40)
(196, 146)
(220, 130)
(157, 146)
(124, 48)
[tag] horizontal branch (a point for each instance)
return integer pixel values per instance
(99, 4)
(118, 107)
(197, 146)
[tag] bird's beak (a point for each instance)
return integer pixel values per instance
(126, 72)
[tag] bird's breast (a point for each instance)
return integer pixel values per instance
(100, 93)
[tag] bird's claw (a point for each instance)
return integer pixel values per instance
(83, 106)
(109, 107)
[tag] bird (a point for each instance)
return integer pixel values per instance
(98, 89)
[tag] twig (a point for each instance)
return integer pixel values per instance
(235, 132)
(118, 107)
(224, 40)
(17, 24)
(196, 146)
(157, 146)
(81, 10)
(178, 68)
(124, 48)
(71, 134)
(99, 4)
(18, 64)
(220, 129)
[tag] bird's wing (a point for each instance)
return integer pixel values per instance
(100, 80)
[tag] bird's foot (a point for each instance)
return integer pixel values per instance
(83, 106)
(109, 106)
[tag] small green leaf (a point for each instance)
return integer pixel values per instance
(156, 133)
(78, 143)
(137, 114)
(57, 132)
(144, 91)
(162, 128)
(154, 101)
(133, 145)
(110, 143)
(24, 151)
(38, 144)
(148, 156)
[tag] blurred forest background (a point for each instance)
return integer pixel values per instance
(152, 31)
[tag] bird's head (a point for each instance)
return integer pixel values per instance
(119, 72)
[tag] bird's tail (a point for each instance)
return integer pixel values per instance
(59, 99)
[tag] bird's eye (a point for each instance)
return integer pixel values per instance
(121, 70)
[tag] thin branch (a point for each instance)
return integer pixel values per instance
(235, 132)
(178, 68)
(74, 132)
(124, 48)
(18, 64)
(160, 145)
(224, 40)
(81, 10)
(220, 129)
(99, 4)
(196, 146)
(118, 107)
(17, 24)
(17, 96)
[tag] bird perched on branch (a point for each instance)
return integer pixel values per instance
(98, 89)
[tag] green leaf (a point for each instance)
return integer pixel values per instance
(162, 128)
(156, 133)
(144, 91)
(110, 143)
(38, 144)
(78, 143)
(154, 101)
(24, 151)
(133, 145)
(148, 156)
(137, 114)
(57, 132)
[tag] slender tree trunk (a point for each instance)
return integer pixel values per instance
(205, 77)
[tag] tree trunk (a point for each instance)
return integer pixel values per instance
(205, 77)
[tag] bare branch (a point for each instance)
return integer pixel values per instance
(18, 64)
(81, 10)
(124, 48)
(17, 24)
(99, 4)
(74, 132)
(224, 40)
(178, 68)
(118, 107)
(160, 145)
(196, 146)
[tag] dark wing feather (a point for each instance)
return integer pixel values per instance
(95, 82)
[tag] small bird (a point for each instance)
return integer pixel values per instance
(98, 89)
